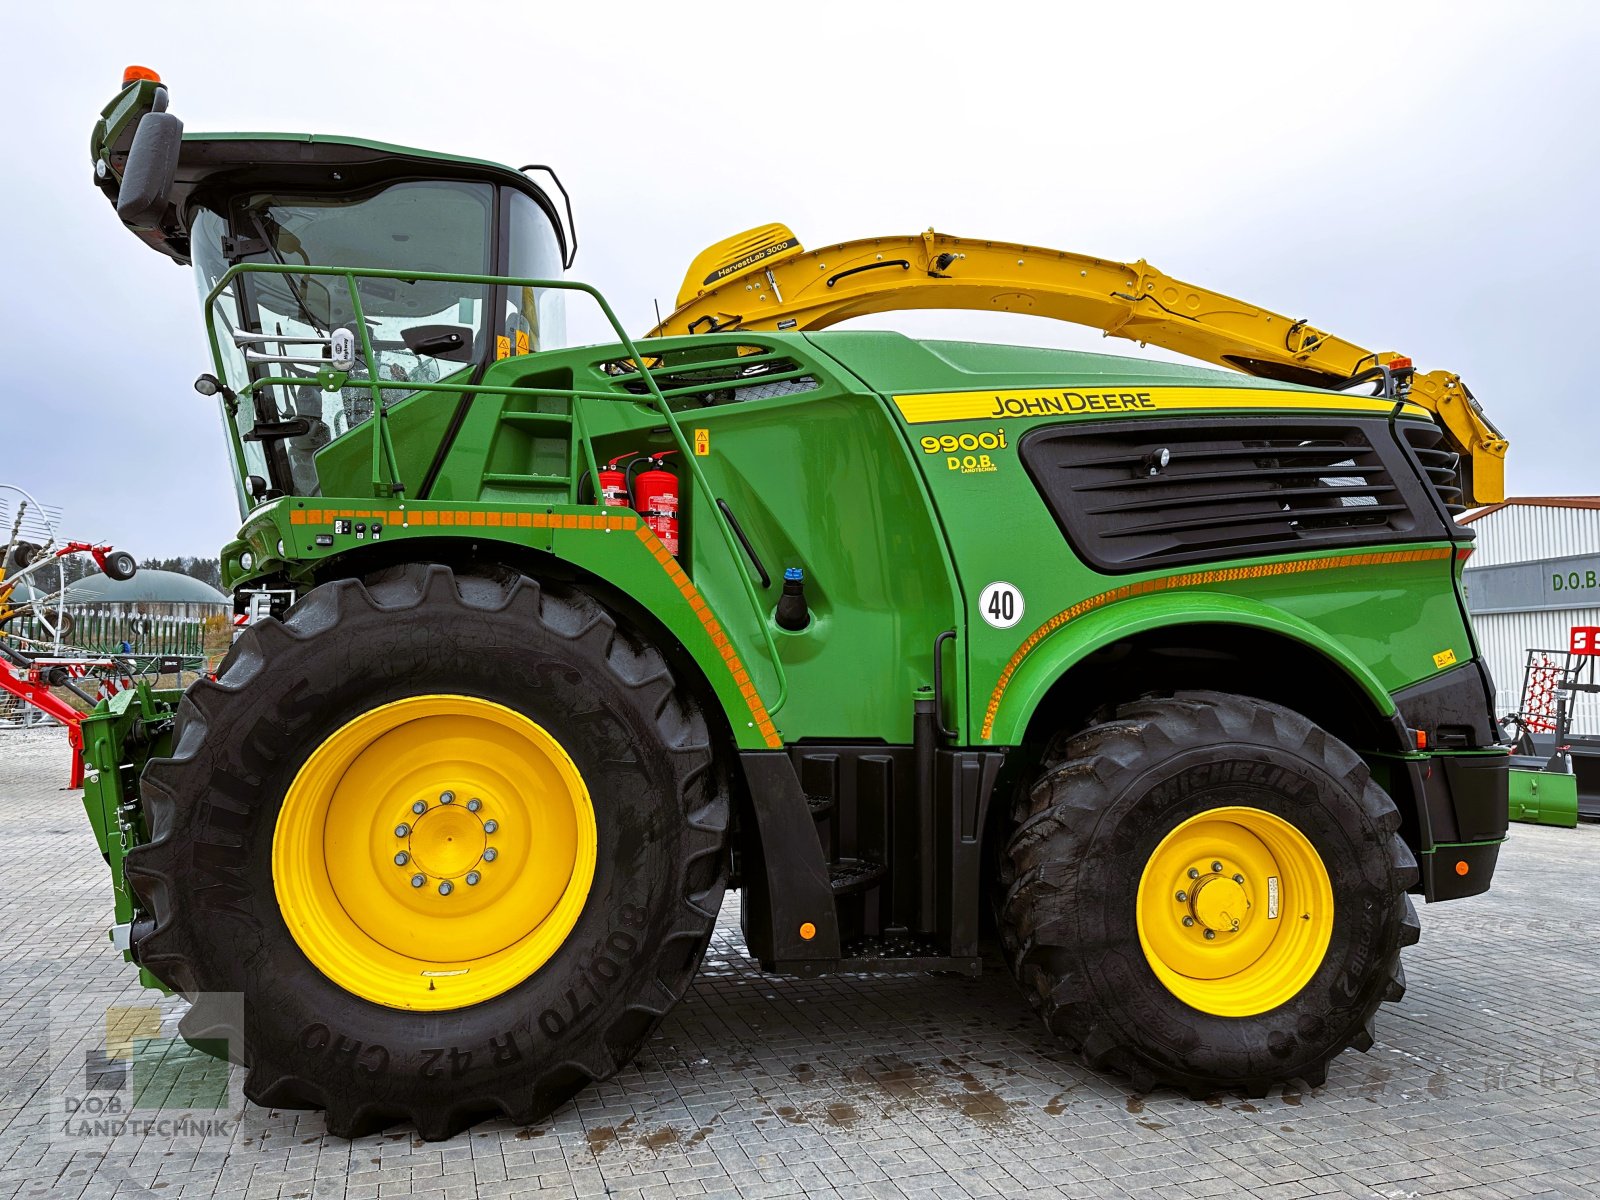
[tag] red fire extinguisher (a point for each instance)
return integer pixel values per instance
(655, 495)
(614, 482)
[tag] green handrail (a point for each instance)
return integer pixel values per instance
(383, 448)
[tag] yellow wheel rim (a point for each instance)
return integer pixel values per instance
(434, 852)
(1235, 911)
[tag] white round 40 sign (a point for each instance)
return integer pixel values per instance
(1001, 605)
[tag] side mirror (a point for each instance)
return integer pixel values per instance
(152, 167)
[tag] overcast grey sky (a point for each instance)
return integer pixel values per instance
(1421, 178)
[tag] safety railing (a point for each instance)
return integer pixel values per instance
(386, 481)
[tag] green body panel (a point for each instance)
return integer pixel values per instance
(1382, 624)
(1140, 614)
(615, 556)
(1544, 798)
(118, 737)
(896, 365)
(821, 482)
(419, 422)
(895, 546)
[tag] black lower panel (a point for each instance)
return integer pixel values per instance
(1450, 802)
(897, 836)
(1452, 872)
(1454, 708)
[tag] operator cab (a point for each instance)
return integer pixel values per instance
(287, 200)
(420, 330)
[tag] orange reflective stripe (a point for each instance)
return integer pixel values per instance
(715, 631)
(592, 521)
(1193, 579)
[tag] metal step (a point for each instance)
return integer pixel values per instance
(536, 418)
(508, 479)
(855, 876)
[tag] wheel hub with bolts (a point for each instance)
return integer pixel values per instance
(1213, 899)
(1219, 902)
(1234, 911)
(445, 843)
(434, 852)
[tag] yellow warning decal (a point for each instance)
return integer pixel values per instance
(502, 347)
(1071, 402)
(1445, 658)
(702, 442)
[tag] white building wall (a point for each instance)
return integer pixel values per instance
(1532, 533)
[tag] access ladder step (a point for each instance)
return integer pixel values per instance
(507, 479)
(536, 418)
(855, 876)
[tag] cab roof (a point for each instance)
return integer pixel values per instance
(227, 162)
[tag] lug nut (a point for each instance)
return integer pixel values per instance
(446, 887)
(401, 859)
(1217, 867)
(491, 825)
(418, 880)
(490, 854)
(402, 830)
(1182, 896)
(1210, 933)
(420, 807)
(474, 804)
(1193, 874)
(1188, 922)
(472, 878)
(447, 797)
(1238, 878)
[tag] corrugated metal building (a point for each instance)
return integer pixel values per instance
(1535, 574)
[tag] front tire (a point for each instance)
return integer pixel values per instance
(570, 876)
(1208, 892)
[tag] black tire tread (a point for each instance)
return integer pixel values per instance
(153, 868)
(1052, 821)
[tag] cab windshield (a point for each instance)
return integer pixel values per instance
(420, 330)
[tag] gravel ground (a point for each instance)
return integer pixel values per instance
(1485, 1081)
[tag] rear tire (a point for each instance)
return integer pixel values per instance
(1084, 907)
(348, 649)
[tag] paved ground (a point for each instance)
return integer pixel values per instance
(1485, 1081)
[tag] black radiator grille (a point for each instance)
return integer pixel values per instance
(721, 375)
(1146, 494)
(1441, 464)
